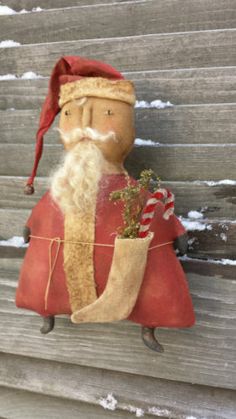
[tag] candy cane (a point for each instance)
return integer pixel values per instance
(149, 209)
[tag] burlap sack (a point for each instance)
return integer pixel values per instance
(123, 284)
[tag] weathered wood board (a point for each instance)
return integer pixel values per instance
(23, 404)
(131, 18)
(18, 5)
(181, 86)
(177, 51)
(181, 124)
(134, 53)
(208, 347)
(176, 162)
(90, 385)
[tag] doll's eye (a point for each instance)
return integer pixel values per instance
(109, 112)
(67, 113)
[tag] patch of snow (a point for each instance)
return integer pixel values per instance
(226, 262)
(137, 410)
(191, 242)
(23, 11)
(223, 237)
(15, 241)
(231, 262)
(158, 412)
(108, 402)
(195, 215)
(140, 141)
(219, 182)
(29, 75)
(37, 9)
(157, 104)
(191, 225)
(5, 10)
(8, 77)
(190, 417)
(225, 226)
(11, 109)
(9, 44)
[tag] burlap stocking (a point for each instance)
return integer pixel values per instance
(123, 284)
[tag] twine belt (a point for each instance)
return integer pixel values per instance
(58, 242)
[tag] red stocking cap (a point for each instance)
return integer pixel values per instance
(66, 69)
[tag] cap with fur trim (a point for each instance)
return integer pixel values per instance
(74, 77)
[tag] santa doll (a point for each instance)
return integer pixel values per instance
(76, 263)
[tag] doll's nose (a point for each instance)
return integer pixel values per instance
(86, 116)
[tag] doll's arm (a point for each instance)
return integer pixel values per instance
(27, 228)
(26, 234)
(181, 240)
(181, 243)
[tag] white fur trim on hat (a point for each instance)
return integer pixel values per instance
(122, 90)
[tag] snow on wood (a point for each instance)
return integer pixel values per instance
(158, 104)
(15, 241)
(29, 75)
(5, 10)
(109, 402)
(223, 237)
(215, 183)
(195, 215)
(192, 225)
(137, 410)
(140, 142)
(159, 412)
(231, 262)
(9, 44)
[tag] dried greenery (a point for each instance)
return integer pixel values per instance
(134, 197)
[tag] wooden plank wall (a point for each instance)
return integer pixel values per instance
(176, 50)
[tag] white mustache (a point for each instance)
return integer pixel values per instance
(78, 134)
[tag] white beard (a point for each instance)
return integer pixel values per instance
(74, 185)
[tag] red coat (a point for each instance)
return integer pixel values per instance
(163, 300)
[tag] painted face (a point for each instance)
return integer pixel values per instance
(103, 115)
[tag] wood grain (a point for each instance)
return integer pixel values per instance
(187, 86)
(218, 201)
(131, 18)
(54, 4)
(27, 405)
(135, 53)
(182, 124)
(89, 385)
(179, 163)
(204, 354)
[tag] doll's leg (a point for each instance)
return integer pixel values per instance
(150, 340)
(48, 324)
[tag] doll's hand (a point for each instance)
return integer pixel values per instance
(181, 243)
(26, 234)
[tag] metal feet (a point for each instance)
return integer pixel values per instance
(150, 340)
(48, 324)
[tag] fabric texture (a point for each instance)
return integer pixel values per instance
(80, 282)
(163, 299)
(123, 283)
(122, 90)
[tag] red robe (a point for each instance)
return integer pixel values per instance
(163, 300)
